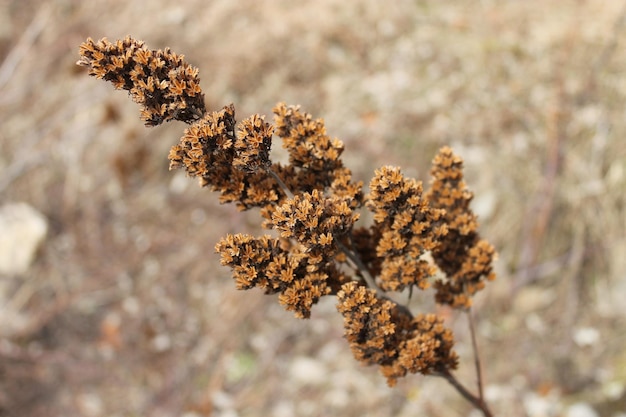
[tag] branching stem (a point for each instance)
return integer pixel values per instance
(360, 265)
(478, 402)
(369, 280)
(280, 182)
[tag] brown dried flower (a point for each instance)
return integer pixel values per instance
(312, 202)
(264, 263)
(408, 227)
(210, 151)
(306, 140)
(252, 147)
(427, 349)
(314, 220)
(164, 85)
(314, 155)
(206, 149)
(379, 332)
(368, 324)
(461, 255)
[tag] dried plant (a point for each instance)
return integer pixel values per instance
(418, 238)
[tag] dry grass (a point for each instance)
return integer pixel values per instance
(126, 309)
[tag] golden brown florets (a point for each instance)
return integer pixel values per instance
(206, 149)
(449, 191)
(382, 333)
(306, 140)
(427, 349)
(164, 85)
(314, 155)
(408, 227)
(368, 324)
(461, 255)
(314, 220)
(210, 151)
(264, 263)
(253, 144)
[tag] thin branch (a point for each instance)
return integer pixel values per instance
(371, 282)
(360, 266)
(25, 43)
(281, 183)
(465, 393)
(607, 52)
(479, 374)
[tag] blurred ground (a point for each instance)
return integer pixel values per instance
(125, 310)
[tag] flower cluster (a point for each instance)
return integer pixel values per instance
(253, 144)
(461, 254)
(164, 85)
(312, 203)
(206, 147)
(266, 263)
(314, 156)
(379, 332)
(408, 227)
(212, 151)
(314, 220)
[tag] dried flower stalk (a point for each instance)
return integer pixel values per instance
(313, 203)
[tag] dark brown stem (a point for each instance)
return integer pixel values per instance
(360, 266)
(199, 114)
(476, 401)
(369, 280)
(281, 183)
(479, 374)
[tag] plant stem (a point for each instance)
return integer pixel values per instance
(360, 266)
(479, 374)
(369, 280)
(476, 401)
(280, 183)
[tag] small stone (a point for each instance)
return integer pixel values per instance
(308, 371)
(22, 229)
(586, 336)
(581, 410)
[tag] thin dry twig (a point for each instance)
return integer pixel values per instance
(477, 364)
(26, 41)
(541, 210)
(609, 48)
(465, 393)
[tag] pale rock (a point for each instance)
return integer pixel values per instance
(308, 371)
(22, 229)
(586, 336)
(581, 410)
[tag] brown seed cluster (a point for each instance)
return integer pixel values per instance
(381, 333)
(314, 220)
(314, 156)
(265, 263)
(253, 144)
(408, 227)
(207, 146)
(464, 258)
(312, 202)
(164, 85)
(211, 151)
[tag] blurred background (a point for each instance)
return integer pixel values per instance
(113, 302)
